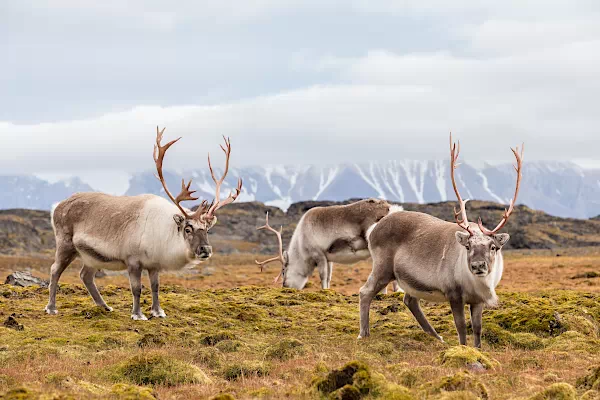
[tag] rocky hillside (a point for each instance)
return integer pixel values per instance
(27, 231)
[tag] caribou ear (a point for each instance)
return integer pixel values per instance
(462, 238)
(286, 257)
(179, 219)
(502, 238)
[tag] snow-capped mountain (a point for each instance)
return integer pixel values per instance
(559, 188)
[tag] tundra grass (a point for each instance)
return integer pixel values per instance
(272, 343)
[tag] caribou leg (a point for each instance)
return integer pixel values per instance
(374, 285)
(413, 305)
(329, 274)
(156, 311)
(323, 268)
(87, 277)
(135, 281)
(65, 254)
(476, 316)
(458, 312)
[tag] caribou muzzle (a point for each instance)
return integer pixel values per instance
(204, 252)
(479, 268)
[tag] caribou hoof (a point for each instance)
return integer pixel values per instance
(158, 314)
(51, 311)
(139, 317)
(107, 308)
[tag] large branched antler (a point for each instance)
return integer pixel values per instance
(508, 211)
(159, 156)
(217, 202)
(280, 257)
(461, 215)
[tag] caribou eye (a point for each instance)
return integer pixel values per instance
(189, 230)
(493, 248)
(467, 247)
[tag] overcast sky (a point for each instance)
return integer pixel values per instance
(85, 83)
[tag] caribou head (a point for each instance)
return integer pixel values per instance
(194, 226)
(482, 245)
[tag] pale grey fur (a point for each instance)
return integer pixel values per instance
(429, 260)
(331, 234)
(136, 233)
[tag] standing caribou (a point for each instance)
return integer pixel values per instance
(326, 235)
(439, 261)
(136, 233)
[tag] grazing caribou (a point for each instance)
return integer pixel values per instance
(326, 235)
(439, 261)
(135, 233)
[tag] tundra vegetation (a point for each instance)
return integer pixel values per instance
(250, 339)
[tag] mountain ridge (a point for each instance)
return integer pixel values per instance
(559, 188)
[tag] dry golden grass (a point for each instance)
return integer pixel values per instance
(235, 335)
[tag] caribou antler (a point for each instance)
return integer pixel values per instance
(217, 203)
(280, 257)
(159, 156)
(508, 212)
(463, 221)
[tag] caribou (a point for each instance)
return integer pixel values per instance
(135, 233)
(439, 261)
(327, 235)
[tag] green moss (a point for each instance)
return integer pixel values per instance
(130, 392)
(338, 378)
(462, 356)
(591, 395)
(591, 380)
(156, 369)
(572, 341)
(19, 394)
(211, 357)
(151, 340)
(286, 349)
(460, 382)
(229, 346)
(557, 391)
(347, 392)
(247, 369)
(223, 396)
(498, 337)
(213, 339)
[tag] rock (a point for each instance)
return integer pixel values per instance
(12, 323)
(476, 367)
(24, 279)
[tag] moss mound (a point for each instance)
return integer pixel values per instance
(211, 357)
(498, 337)
(591, 395)
(461, 383)
(246, 369)
(338, 378)
(156, 369)
(590, 381)
(464, 356)
(223, 396)
(151, 340)
(213, 339)
(347, 392)
(557, 391)
(130, 392)
(285, 350)
(355, 380)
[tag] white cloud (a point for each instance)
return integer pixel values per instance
(299, 82)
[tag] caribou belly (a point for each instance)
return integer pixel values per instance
(348, 256)
(434, 296)
(92, 262)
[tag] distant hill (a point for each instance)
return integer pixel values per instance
(27, 231)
